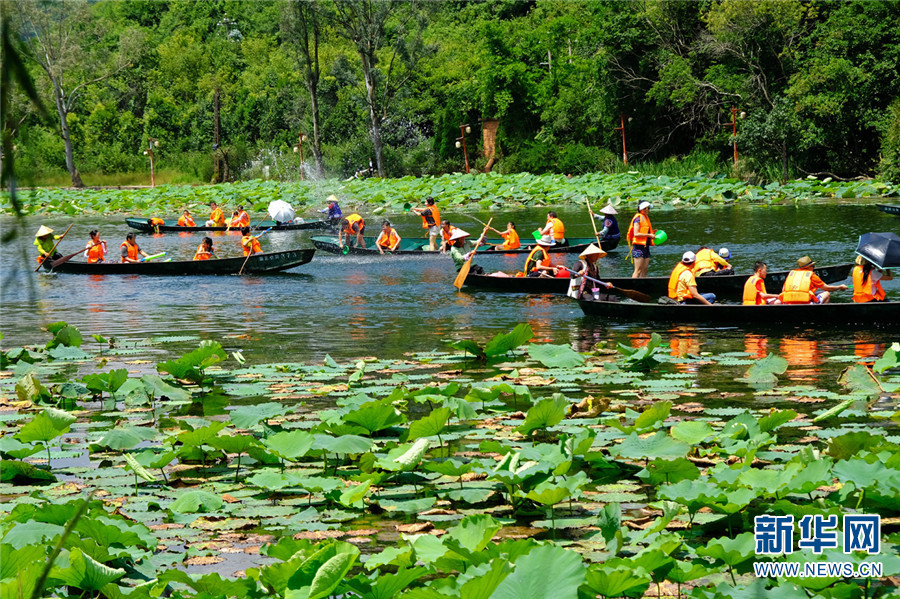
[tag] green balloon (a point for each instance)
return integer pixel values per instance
(660, 237)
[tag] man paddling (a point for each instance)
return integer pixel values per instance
(45, 242)
(333, 209)
(130, 251)
(249, 243)
(461, 249)
(431, 220)
(610, 228)
(803, 286)
(683, 284)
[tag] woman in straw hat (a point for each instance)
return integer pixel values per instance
(587, 267)
(45, 242)
(461, 249)
(610, 228)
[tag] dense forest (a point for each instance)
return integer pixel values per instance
(218, 90)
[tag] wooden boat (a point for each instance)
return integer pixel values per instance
(889, 208)
(832, 315)
(266, 262)
(725, 287)
(419, 245)
(171, 226)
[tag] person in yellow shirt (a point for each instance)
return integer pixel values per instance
(45, 242)
(683, 284)
(216, 216)
(712, 263)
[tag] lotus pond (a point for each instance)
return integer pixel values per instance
(487, 468)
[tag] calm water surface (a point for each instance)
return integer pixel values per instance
(356, 306)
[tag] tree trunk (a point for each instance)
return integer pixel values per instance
(369, 76)
(67, 139)
(784, 161)
(317, 142)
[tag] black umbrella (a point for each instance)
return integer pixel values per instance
(881, 249)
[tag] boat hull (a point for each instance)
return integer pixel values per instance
(256, 264)
(171, 226)
(725, 287)
(833, 315)
(889, 208)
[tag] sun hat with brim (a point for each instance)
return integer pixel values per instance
(44, 230)
(804, 262)
(608, 210)
(592, 250)
(644, 204)
(688, 258)
(458, 234)
(543, 241)
(332, 198)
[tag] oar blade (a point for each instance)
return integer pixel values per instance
(635, 295)
(463, 273)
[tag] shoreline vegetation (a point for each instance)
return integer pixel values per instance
(450, 191)
(502, 469)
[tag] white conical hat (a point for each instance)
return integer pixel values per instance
(44, 230)
(458, 234)
(608, 209)
(592, 250)
(332, 198)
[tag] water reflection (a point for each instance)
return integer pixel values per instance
(803, 357)
(756, 345)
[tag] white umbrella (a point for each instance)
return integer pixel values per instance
(281, 211)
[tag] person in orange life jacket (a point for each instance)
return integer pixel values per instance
(186, 220)
(44, 241)
(755, 293)
(555, 230)
(95, 250)
(510, 239)
(131, 251)
(240, 218)
(352, 225)
(205, 250)
(710, 263)
(216, 217)
(388, 239)
(431, 220)
(610, 228)
(640, 235)
(683, 284)
(461, 250)
(446, 232)
(803, 286)
(538, 263)
(249, 243)
(867, 280)
(587, 267)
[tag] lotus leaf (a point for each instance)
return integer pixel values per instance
(659, 445)
(413, 506)
(642, 358)
(890, 359)
(344, 444)
(653, 415)
(617, 581)
(430, 425)
(352, 497)
(691, 432)
(191, 502)
(47, 425)
(543, 572)
(321, 573)
(545, 413)
(126, 437)
(11, 470)
(271, 480)
(191, 365)
(209, 584)
(64, 334)
(763, 372)
(850, 444)
(555, 356)
(86, 573)
(246, 417)
(731, 552)
(451, 467)
(669, 471)
(405, 457)
(375, 416)
(12, 447)
(135, 466)
(29, 388)
(385, 586)
(109, 382)
(776, 418)
(506, 342)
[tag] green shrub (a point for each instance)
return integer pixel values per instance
(889, 167)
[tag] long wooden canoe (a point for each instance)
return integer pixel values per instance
(725, 287)
(171, 226)
(889, 208)
(832, 315)
(419, 246)
(266, 262)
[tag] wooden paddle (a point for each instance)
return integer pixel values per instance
(65, 259)
(464, 271)
(241, 271)
(593, 224)
(54, 249)
(629, 293)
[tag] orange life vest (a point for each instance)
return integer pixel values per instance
(133, 251)
(217, 217)
(445, 235)
(708, 260)
(510, 240)
(389, 243)
(433, 219)
(753, 290)
(676, 290)
(202, 254)
(96, 253)
(642, 226)
(531, 261)
(250, 245)
(186, 222)
(868, 291)
(797, 288)
(352, 220)
(559, 230)
(157, 221)
(243, 218)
